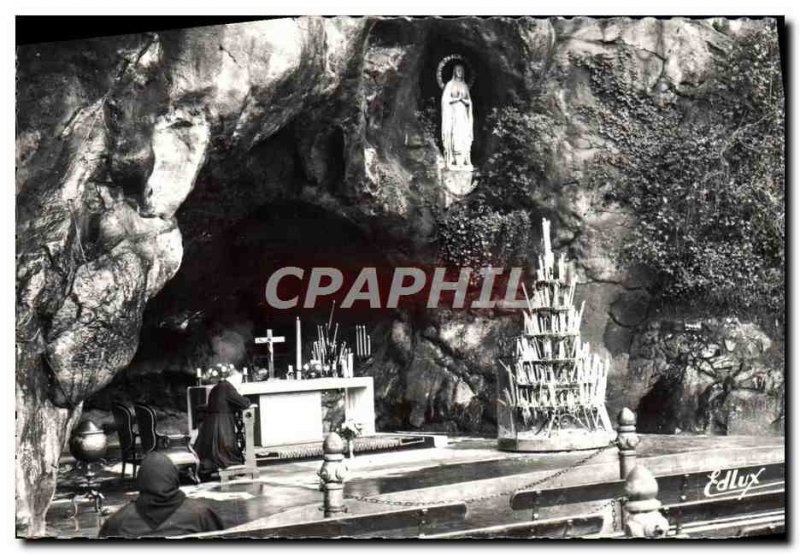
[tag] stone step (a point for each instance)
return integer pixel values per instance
(371, 444)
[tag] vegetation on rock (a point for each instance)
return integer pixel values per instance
(475, 235)
(705, 177)
(516, 169)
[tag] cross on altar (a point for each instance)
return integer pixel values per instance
(269, 340)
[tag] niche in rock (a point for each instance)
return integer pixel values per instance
(326, 164)
(213, 309)
(478, 75)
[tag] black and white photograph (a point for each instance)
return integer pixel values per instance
(400, 277)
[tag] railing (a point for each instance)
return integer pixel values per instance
(633, 499)
(636, 510)
(642, 514)
(556, 528)
(410, 521)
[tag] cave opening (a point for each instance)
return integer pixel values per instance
(658, 410)
(215, 306)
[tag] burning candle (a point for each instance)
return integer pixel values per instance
(298, 353)
(199, 374)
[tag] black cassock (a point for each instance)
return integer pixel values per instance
(216, 440)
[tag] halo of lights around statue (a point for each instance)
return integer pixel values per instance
(470, 71)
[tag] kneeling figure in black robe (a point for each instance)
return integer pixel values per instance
(216, 441)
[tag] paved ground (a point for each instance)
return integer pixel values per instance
(466, 468)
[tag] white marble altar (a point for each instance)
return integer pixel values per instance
(290, 411)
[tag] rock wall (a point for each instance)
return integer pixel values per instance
(111, 136)
(142, 157)
(710, 375)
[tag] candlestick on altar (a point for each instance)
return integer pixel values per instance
(363, 341)
(298, 347)
(320, 342)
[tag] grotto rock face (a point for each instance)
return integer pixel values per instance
(706, 376)
(141, 160)
(111, 137)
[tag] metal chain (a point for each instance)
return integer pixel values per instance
(613, 504)
(471, 500)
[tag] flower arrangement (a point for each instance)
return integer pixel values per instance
(349, 430)
(215, 374)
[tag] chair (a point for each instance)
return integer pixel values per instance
(124, 419)
(177, 448)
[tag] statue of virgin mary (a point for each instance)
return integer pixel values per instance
(457, 121)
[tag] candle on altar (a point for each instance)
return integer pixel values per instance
(298, 349)
(199, 374)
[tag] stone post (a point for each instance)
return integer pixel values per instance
(627, 439)
(332, 474)
(642, 516)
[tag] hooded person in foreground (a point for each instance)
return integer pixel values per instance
(162, 509)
